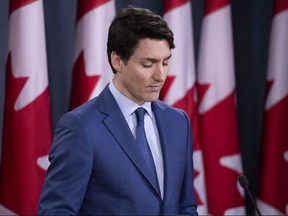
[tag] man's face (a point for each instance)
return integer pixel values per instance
(143, 75)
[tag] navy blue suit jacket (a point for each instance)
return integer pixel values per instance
(96, 167)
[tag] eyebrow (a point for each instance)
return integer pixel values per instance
(156, 60)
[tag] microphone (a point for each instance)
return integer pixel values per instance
(243, 181)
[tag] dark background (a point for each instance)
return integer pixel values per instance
(251, 23)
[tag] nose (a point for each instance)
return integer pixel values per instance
(160, 73)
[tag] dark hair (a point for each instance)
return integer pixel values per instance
(132, 24)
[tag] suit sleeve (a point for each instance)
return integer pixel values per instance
(187, 200)
(70, 169)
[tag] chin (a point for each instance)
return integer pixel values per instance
(153, 99)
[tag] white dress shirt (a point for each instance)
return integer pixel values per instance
(128, 108)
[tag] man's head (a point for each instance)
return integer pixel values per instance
(139, 49)
(131, 25)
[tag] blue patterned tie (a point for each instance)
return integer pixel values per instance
(142, 142)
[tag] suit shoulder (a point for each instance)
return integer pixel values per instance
(83, 111)
(91, 104)
(170, 108)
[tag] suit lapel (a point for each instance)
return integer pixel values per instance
(168, 144)
(117, 125)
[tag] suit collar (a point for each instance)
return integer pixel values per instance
(168, 144)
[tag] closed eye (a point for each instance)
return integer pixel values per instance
(147, 65)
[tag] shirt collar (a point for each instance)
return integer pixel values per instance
(126, 105)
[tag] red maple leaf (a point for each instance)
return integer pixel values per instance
(27, 136)
(82, 85)
(275, 143)
(218, 135)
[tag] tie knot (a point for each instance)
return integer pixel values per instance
(140, 112)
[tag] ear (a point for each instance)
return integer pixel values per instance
(116, 61)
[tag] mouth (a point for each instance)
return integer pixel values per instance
(155, 88)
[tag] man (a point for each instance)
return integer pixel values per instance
(97, 165)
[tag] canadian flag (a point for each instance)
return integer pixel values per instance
(91, 71)
(180, 89)
(273, 191)
(27, 129)
(218, 132)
